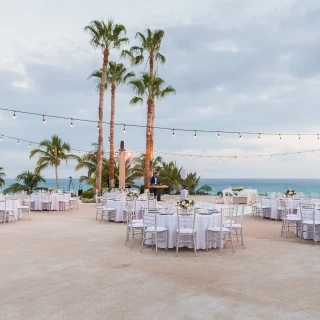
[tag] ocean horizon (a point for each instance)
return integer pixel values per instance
(307, 186)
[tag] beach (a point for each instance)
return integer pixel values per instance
(67, 265)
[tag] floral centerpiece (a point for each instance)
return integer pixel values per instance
(133, 194)
(186, 203)
(290, 193)
(237, 189)
(50, 190)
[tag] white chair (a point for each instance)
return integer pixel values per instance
(99, 205)
(265, 210)
(74, 201)
(256, 209)
(7, 211)
(308, 220)
(46, 202)
(221, 234)
(152, 232)
(281, 209)
(237, 224)
(134, 227)
(107, 212)
(186, 229)
(289, 221)
(64, 203)
(25, 207)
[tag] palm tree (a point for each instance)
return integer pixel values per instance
(139, 164)
(171, 175)
(149, 88)
(52, 152)
(117, 74)
(104, 37)
(191, 182)
(30, 182)
(150, 43)
(2, 175)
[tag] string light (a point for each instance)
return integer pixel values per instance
(14, 115)
(259, 137)
(124, 128)
(42, 148)
(173, 132)
(71, 123)
(98, 128)
(199, 158)
(240, 136)
(318, 137)
(271, 157)
(43, 120)
(18, 142)
(149, 131)
(1, 138)
(299, 137)
(219, 158)
(299, 154)
(259, 158)
(30, 145)
(209, 158)
(246, 158)
(195, 134)
(284, 155)
(218, 134)
(313, 152)
(280, 136)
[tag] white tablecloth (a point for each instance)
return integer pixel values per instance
(120, 205)
(292, 204)
(203, 222)
(55, 198)
(307, 235)
(9, 204)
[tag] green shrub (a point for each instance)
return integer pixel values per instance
(88, 194)
(142, 189)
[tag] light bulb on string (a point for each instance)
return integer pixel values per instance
(1, 138)
(71, 124)
(209, 158)
(124, 128)
(280, 136)
(42, 148)
(271, 157)
(199, 158)
(259, 137)
(30, 145)
(98, 128)
(14, 115)
(18, 142)
(219, 158)
(149, 131)
(246, 158)
(195, 134)
(43, 120)
(173, 132)
(219, 135)
(259, 158)
(284, 156)
(313, 152)
(240, 136)
(299, 138)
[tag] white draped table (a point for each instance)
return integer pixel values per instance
(15, 209)
(120, 205)
(292, 204)
(307, 235)
(54, 198)
(203, 222)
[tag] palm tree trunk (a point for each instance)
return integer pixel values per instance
(111, 156)
(57, 179)
(147, 160)
(100, 133)
(153, 114)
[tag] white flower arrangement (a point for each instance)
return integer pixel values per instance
(186, 203)
(50, 190)
(290, 193)
(133, 194)
(237, 189)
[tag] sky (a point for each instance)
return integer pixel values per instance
(237, 65)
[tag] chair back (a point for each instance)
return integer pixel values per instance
(307, 212)
(150, 218)
(186, 219)
(227, 215)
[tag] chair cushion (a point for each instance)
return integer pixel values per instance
(311, 222)
(293, 218)
(265, 207)
(108, 209)
(136, 225)
(234, 225)
(186, 230)
(217, 229)
(159, 229)
(228, 222)
(23, 207)
(137, 221)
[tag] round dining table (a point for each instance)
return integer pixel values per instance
(120, 206)
(309, 235)
(292, 204)
(54, 198)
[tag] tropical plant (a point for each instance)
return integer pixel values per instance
(139, 164)
(170, 175)
(88, 194)
(117, 74)
(2, 175)
(30, 182)
(205, 189)
(52, 152)
(150, 43)
(104, 36)
(149, 88)
(191, 182)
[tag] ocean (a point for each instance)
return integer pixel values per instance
(307, 186)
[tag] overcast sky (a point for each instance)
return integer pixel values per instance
(237, 65)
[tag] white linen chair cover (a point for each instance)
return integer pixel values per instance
(8, 210)
(308, 219)
(25, 207)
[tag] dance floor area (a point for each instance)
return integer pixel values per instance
(67, 265)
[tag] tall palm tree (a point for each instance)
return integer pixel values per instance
(150, 43)
(149, 88)
(171, 175)
(30, 182)
(116, 75)
(2, 175)
(104, 36)
(139, 163)
(52, 152)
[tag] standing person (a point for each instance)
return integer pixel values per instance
(154, 181)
